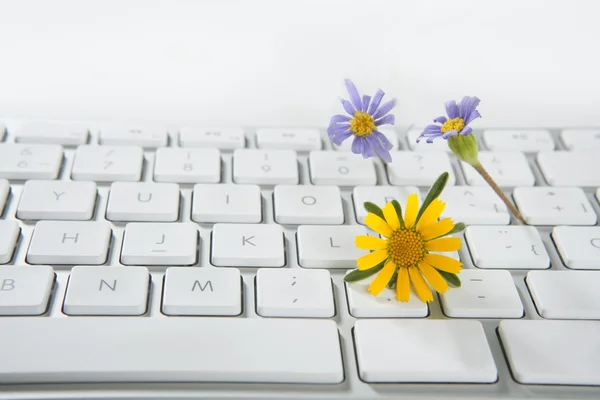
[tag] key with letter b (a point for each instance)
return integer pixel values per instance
(25, 290)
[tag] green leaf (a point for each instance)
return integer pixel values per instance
(451, 278)
(358, 275)
(434, 192)
(398, 209)
(392, 283)
(372, 208)
(459, 227)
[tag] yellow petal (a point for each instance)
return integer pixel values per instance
(372, 259)
(378, 225)
(412, 208)
(383, 278)
(438, 229)
(433, 277)
(403, 285)
(444, 244)
(370, 243)
(431, 214)
(421, 287)
(444, 263)
(389, 212)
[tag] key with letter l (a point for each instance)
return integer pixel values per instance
(329, 246)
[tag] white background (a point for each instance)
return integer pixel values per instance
(533, 63)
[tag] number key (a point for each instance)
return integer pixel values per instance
(181, 165)
(341, 168)
(24, 161)
(108, 163)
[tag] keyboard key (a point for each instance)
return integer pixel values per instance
(565, 294)
(579, 247)
(148, 137)
(362, 303)
(2, 131)
(124, 349)
(292, 139)
(248, 245)
(202, 291)
(508, 169)
(554, 206)
(30, 161)
(67, 134)
(4, 192)
(419, 168)
(225, 139)
(226, 203)
(57, 200)
(69, 243)
(329, 246)
(390, 134)
(25, 290)
(380, 195)
(436, 145)
(9, 234)
(107, 291)
(143, 201)
(581, 139)
(308, 204)
(265, 167)
(340, 168)
(570, 168)
(160, 244)
(474, 205)
(507, 247)
(294, 293)
(552, 352)
(527, 140)
(483, 294)
(423, 351)
(108, 163)
(187, 165)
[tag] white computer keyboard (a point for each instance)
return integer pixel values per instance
(114, 222)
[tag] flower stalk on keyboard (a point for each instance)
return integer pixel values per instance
(463, 143)
(405, 253)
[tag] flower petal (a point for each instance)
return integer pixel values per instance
(370, 243)
(403, 285)
(339, 138)
(449, 133)
(438, 229)
(474, 115)
(372, 259)
(348, 107)
(444, 263)
(421, 288)
(412, 208)
(383, 278)
(387, 145)
(353, 92)
(337, 128)
(339, 118)
(389, 212)
(433, 277)
(466, 131)
(378, 225)
(431, 214)
(365, 102)
(467, 106)
(388, 119)
(440, 119)
(358, 145)
(377, 146)
(451, 109)
(444, 244)
(375, 102)
(384, 109)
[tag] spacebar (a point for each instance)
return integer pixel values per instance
(60, 350)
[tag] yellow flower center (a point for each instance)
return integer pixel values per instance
(455, 124)
(362, 124)
(406, 247)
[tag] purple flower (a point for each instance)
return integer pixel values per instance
(366, 114)
(459, 116)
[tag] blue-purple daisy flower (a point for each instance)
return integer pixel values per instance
(459, 117)
(365, 115)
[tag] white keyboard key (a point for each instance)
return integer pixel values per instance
(124, 349)
(527, 140)
(508, 169)
(294, 293)
(483, 294)
(419, 168)
(578, 246)
(474, 205)
(565, 294)
(187, 165)
(265, 167)
(143, 201)
(30, 161)
(52, 133)
(506, 247)
(4, 192)
(423, 351)
(436, 145)
(329, 246)
(2, 131)
(307, 204)
(552, 352)
(362, 303)
(202, 291)
(341, 168)
(380, 195)
(160, 244)
(581, 139)
(57, 200)
(107, 291)
(248, 245)
(148, 137)
(570, 168)
(226, 203)
(220, 138)
(292, 139)
(108, 163)
(9, 234)
(69, 243)
(390, 134)
(25, 290)
(554, 206)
